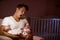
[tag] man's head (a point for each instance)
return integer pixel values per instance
(21, 9)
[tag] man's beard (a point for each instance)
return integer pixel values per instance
(22, 16)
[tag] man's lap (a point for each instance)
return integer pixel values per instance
(5, 38)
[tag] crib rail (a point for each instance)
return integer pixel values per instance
(46, 27)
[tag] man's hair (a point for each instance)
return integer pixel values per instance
(23, 5)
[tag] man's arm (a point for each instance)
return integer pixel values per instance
(2, 32)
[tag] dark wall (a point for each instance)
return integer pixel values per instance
(37, 8)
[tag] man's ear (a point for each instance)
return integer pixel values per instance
(16, 8)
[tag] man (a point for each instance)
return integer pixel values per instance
(16, 26)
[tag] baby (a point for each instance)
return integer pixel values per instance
(26, 31)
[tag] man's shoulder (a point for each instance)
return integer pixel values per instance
(7, 17)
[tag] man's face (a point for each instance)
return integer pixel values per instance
(21, 11)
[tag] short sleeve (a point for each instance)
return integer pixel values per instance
(5, 21)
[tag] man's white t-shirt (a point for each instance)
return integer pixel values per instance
(14, 25)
